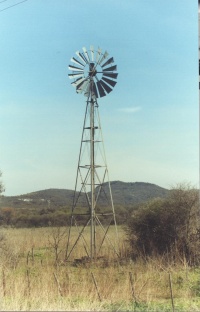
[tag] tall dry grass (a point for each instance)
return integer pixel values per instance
(30, 280)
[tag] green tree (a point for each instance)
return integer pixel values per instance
(2, 189)
(167, 225)
(6, 214)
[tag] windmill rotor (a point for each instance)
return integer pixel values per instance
(93, 72)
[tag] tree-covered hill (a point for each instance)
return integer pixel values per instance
(129, 193)
(124, 193)
(53, 206)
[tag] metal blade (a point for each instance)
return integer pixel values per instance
(111, 60)
(81, 87)
(98, 54)
(80, 84)
(84, 57)
(112, 68)
(110, 82)
(103, 57)
(94, 90)
(77, 81)
(85, 86)
(100, 89)
(74, 68)
(111, 75)
(86, 54)
(71, 76)
(76, 61)
(105, 86)
(92, 52)
(80, 56)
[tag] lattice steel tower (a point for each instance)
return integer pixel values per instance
(94, 76)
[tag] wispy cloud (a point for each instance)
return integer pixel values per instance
(130, 109)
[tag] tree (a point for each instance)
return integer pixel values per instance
(6, 214)
(2, 189)
(56, 237)
(168, 225)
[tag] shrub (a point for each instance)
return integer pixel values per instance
(168, 225)
(6, 215)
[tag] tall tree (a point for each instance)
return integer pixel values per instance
(2, 189)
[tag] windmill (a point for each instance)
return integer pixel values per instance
(94, 75)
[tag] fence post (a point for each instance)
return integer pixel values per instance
(28, 282)
(27, 258)
(171, 291)
(4, 283)
(95, 283)
(132, 286)
(32, 255)
(58, 285)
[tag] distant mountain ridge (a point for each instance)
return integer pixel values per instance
(128, 193)
(124, 194)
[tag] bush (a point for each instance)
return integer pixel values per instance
(167, 226)
(6, 215)
(58, 218)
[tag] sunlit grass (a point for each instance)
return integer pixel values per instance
(30, 280)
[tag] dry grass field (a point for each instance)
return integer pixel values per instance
(32, 280)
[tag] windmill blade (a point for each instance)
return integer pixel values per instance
(92, 52)
(105, 86)
(86, 54)
(94, 90)
(82, 86)
(81, 57)
(100, 89)
(85, 86)
(111, 75)
(112, 68)
(84, 57)
(111, 60)
(76, 61)
(98, 54)
(74, 68)
(77, 81)
(110, 82)
(71, 76)
(103, 57)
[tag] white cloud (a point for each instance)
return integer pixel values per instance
(130, 109)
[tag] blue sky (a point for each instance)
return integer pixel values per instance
(150, 120)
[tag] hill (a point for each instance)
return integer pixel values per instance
(130, 193)
(124, 194)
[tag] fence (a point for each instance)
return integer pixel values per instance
(106, 284)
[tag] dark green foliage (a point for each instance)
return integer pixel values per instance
(2, 189)
(124, 194)
(54, 205)
(31, 219)
(168, 225)
(131, 193)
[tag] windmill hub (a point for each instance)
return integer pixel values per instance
(92, 70)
